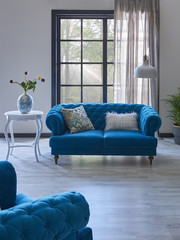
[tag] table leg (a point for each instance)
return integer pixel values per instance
(40, 131)
(39, 126)
(12, 135)
(36, 139)
(6, 136)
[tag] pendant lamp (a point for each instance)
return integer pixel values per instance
(145, 70)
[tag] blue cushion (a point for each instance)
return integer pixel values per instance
(130, 139)
(88, 139)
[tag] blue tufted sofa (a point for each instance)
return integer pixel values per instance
(59, 217)
(100, 142)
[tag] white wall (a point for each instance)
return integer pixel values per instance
(25, 45)
(169, 55)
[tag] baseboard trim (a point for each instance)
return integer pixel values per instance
(166, 135)
(27, 135)
(48, 135)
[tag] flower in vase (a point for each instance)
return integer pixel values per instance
(28, 84)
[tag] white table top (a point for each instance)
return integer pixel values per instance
(18, 113)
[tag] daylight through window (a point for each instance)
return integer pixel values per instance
(84, 58)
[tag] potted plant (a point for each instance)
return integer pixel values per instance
(25, 101)
(174, 114)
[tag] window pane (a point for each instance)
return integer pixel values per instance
(110, 51)
(92, 29)
(71, 29)
(70, 74)
(70, 51)
(82, 62)
(92, 52)
(110, 27)
(70, 94)
(92, 94)
(92, 74)
(110, 95)
(110, 73)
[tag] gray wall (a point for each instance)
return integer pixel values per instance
(169, 55)
(25, 45)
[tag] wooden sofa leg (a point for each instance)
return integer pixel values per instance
(150, 159)
(56, 158)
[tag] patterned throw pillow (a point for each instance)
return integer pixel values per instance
(77, 119)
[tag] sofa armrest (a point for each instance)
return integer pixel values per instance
(8, 183)
(85, 234)
(21, 198)
(55, 121)
(54, 217)
(150, 120)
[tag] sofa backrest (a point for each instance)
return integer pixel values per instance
(97, 111)
(8, 184)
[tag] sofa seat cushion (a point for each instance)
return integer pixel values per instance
(88, 139)
(128, 139)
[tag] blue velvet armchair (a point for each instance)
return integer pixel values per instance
(59, 217)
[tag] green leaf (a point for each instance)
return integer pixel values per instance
(174, 102)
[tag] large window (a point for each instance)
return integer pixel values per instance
(82, 56)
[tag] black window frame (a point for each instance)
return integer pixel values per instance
(55, 57)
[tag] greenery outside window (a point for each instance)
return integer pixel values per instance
(82, 56)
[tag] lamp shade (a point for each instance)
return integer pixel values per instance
(145, 70)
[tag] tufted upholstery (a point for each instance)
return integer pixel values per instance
(49, 218)
(150, 121)
(58, 217)
(97, 112)
(64, 143)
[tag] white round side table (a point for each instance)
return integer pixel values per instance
(17, 116)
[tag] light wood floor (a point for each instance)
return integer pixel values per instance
(128, 198)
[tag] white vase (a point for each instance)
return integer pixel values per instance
(25, 103)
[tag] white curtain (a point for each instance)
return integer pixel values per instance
(136, 34)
